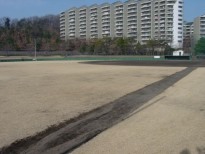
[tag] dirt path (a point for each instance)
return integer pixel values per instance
(171, 123)
(72, 134)
(163, 63)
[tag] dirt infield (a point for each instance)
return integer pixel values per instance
(90, 87)
(161, 63)
(171, 123)
(91, 124)
(36, 95)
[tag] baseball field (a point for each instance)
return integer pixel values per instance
(37, 95)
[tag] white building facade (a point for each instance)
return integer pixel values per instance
(141, 20)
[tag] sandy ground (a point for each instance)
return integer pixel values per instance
(172, 122)
(35, 95)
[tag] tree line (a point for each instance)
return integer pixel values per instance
(20, 35)
(118, 46)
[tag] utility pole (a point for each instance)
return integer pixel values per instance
(35, 50)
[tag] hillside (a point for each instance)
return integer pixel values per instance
(21, 34)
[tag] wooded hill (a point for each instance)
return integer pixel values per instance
(20, 34)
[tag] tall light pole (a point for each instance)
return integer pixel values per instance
(35, 50)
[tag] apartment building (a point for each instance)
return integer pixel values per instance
(188, 29)
(188, 36)
(199, 28)
(139, 19)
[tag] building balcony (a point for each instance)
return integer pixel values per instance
(94, 36)
(93, 19)
(145, 6)
(162, 8)
(62, 16)
(171, 1)
(145, 30)
(72, 31)
(62, 35)
(145, 14)
(145, 18)
(82, 23)
(132, 6)
(132, 23)
(119, 27)
(62, 22)
(145, 23)
(202, 23)
(72, 20)
(146, 11)
(131, 15)
(93, 22)
(106, 17)
(82, 27)
(72, 34)
(105, 32)
(119, 23)
(72, 28)
(83, 35)
(133, 30)
(94, 15)
(82, 17)
(93, 12)
(93, 26)
(162, 30)
(72, 24)
(105, 21)
(120, 8)
(106, 13)
(132, 19)
(106, 26)
(146, 26)
(169, 9)
(82, 31)
(132, 27)
(105, 10)
(162, 25)
(62, 29)
(132, 10)
(119, 32)
(82, 14)
(132, 34)
(119, 19)
(144, 39)
(72, 13)
(119, 12)
(93, 30)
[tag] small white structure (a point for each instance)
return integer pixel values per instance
(156, 57)
(178, 53)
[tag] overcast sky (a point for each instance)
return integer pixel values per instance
(27, 8)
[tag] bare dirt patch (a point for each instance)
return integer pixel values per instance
(89, 125)
(36, 95)
(171, 123)
(162, 63)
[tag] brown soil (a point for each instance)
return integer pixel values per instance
(166, 63)
(73, 133)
